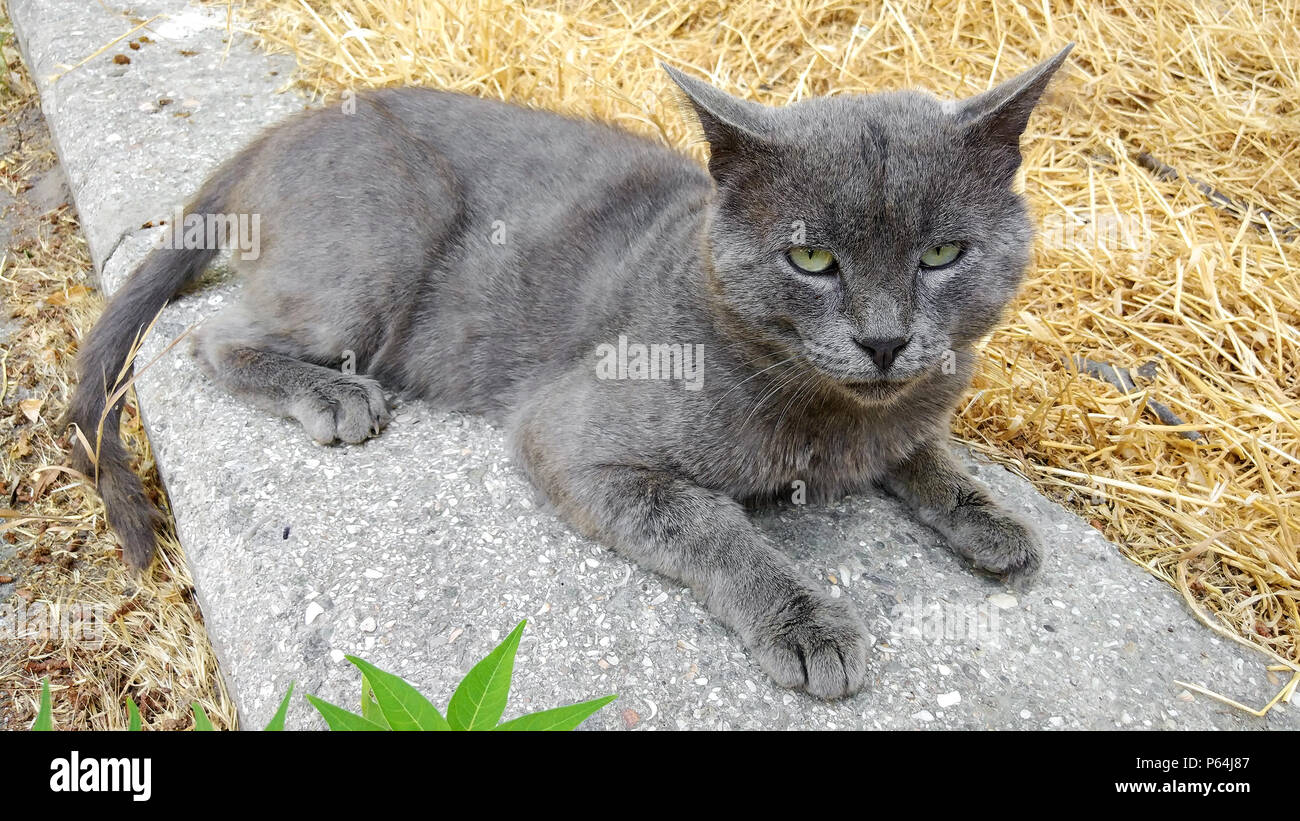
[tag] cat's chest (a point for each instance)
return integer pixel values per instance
(822, 458)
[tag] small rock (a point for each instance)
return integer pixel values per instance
(630, 718)
(368, 625)
(924, 715)
(948, 699)
(50, 190)
(313, 611)
(1003, 601)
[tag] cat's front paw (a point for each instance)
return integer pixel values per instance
(1001, 543)
(347, 407)
(813, 643)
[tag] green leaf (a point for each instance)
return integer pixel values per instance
(480, 699)
(201, 722)
(45, 716)
(398, 704)
(559, 718)
(277, 720)
(370, 707)
(340, 719)
(132, 715)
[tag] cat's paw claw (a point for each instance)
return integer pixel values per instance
(347, 408)
(814, 643)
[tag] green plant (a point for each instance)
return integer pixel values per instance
(45, 717)
(388, 702)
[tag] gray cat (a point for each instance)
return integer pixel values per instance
(662, 345)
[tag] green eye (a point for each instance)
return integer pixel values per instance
(811, 260)
(940, 255)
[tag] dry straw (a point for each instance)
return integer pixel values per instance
(1163, 167)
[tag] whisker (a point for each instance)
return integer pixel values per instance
(783, 381)
(751, 376)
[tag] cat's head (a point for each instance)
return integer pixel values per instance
(873, 234)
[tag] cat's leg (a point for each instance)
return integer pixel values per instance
(261, 368)
(951, 501)
(800, 636)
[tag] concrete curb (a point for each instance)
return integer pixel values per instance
(419, 550)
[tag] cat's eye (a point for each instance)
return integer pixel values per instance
(811, 260)
(940, 256)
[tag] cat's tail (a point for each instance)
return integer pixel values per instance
(105, 368)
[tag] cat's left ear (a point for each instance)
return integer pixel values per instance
(733, 127)
(999, 116)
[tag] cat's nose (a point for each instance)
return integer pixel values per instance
(883, 351)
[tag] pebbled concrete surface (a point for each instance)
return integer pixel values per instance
(421, 549)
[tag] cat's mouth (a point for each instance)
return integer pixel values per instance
(869, 389)
(876, 390)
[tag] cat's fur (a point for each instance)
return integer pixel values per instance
(477, 254)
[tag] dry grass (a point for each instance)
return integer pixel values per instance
(1132, 269)
(142, 638)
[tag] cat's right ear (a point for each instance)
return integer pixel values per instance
(732, 127)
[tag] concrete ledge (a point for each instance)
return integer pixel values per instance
(420, 549)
